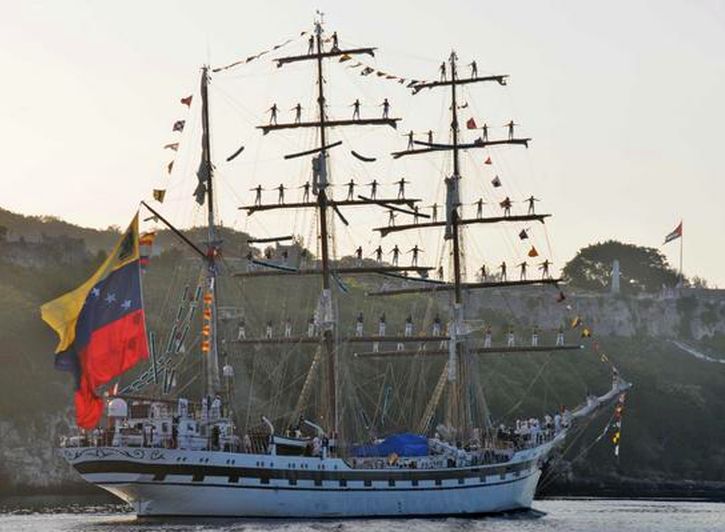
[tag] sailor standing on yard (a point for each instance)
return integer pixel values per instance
(273, 114)
(258, 194)
(510, 127)
(396, 254)
(401, 187)
(410, 140)
(351, 190)
(373, 188)
(522, 271)
(437, 325)
(298, 112)
(479, 208)
(434, 216)
(474, 69)
(531, 200)
(305, 192)
(280, 196)
(386, 108)
(391, 218)
(415, 250)
(484, 133)
(356, 109)
(442, 70)
(544, 267)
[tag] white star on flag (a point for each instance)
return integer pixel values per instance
(110, 298)
(126, 304)
(95, 292)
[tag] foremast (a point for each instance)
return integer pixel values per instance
(205, 191)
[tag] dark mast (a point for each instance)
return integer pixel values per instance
(205, 175)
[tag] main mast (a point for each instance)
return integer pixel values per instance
(326, 299)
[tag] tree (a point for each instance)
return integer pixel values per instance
(642, 269)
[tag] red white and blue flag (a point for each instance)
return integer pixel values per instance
(674, 235)
(101, 326)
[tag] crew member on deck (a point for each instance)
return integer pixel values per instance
(483, 272)
(359, 325)
(379, 254)
(396, 254)
(408, 331)
(359, 255)
(273, 114)
(487, 337)
(440, 273)
(298, 112)
(535, 336)
(268, 332)
(356, 109)
(288, 327)
(522, 271)
(415, 250)
(241, 330)
(258, 194)
(386, 108)
(531, 200)
(351, 190)
(560, 335)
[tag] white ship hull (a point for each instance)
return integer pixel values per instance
(160, 482)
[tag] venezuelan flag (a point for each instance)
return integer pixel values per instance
(101, 326)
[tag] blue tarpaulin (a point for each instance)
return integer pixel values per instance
(404, 444)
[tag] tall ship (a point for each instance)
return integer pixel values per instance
(295, 381)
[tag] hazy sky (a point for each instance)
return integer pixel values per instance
(624, 100)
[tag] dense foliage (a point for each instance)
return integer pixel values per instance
(642, 269)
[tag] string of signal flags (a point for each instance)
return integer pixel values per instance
(178, 127)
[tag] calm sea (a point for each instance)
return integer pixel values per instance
(570, 515)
